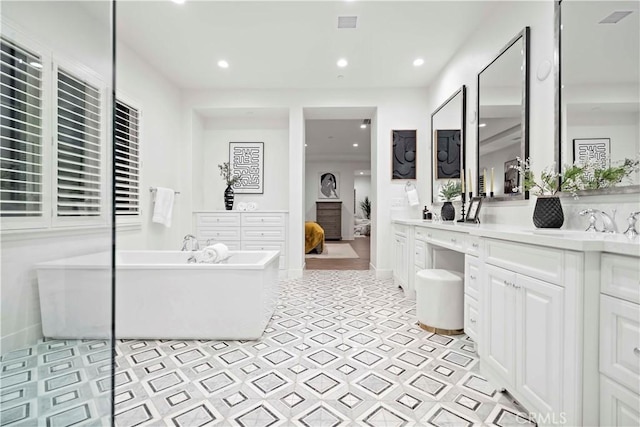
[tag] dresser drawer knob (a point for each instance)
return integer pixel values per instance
(475, 245)
(472, 277)
(472, 320)
(429, 235)
(453, 240)
(262, 219)
(636, 351)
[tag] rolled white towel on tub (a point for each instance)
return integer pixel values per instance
(221, 250)
(209, 255)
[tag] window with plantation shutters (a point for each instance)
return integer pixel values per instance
(21, 152)
(127, 160)
(79, 158)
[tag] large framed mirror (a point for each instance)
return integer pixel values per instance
(598, 87)
(503, 121)
(448, 136)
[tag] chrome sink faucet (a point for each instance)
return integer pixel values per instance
(631, 232)
(191, 242)
(608, 221)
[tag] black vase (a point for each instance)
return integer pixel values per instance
(228, 198)
(448, 212)
(548, 213)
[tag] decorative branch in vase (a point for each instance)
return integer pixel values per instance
(574, 178)
(225, 172)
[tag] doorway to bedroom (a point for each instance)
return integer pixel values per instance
(338, 190)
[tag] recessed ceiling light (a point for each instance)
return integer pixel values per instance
(418, 62)
(223, 64)
(342, 63)
(178, 1)
(481, 125)
(35, 64)
(361, 173)
(305, 145)
(363, 126)
(355, 144)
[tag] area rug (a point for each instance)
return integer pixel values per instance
(335, 250)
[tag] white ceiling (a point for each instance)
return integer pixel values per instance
(295, 44)
(600, 53)
(332, 140)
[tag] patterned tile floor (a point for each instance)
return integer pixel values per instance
(341, 349)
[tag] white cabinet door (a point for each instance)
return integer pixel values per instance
(539, 342)
(618, 405)
(620, 341)
(498, 343)
(401, 261)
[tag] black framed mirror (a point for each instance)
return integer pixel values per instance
(597, 103)
(448, 136)
(503, 122)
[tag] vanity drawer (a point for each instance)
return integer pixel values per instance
(260, 233)
(620, 341)
(471, 317)
(420, 254)
(265, 246)
(221, 219)
(263, 219)
(540, 262)
(448, 239)
(220, 234)
(421, 233)
(472, 245)
(618, 405)
(620, 277)
(472, 276)
(400, 229)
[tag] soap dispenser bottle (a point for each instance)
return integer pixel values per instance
(425, 212)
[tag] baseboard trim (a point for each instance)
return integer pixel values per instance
(23, 338)
(380, 273)
(295, 274)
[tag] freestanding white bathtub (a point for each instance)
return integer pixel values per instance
(159, 296)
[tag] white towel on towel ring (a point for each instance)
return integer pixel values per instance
(412, 195)
(163, 208)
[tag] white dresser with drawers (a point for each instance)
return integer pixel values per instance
(251, 231)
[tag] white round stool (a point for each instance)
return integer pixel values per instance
(440, 301)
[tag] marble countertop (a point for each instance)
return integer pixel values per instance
(557, 238)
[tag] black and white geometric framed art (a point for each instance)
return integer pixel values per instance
(247, 161)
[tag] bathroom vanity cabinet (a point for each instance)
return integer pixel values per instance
(240, 230)
(555, 317)
(619, 340)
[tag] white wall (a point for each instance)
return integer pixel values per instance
(61, 27)
(215, 150)
(345, 190)
(396, 109)
(362, 185)
(161, 146)
(481, 47)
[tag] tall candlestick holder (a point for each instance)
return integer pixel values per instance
(462, 212)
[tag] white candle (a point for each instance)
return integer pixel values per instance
(470, 182)
(492, 180)
(484, 181)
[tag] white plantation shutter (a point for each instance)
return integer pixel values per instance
(127, 160)
(21, 151)
(79, 158)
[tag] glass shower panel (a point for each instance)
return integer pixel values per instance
(56, 335)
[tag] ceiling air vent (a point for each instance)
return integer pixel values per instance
(615, 17)
(347, 21)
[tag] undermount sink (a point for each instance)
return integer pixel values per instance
(581, 235)
(571, 234)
